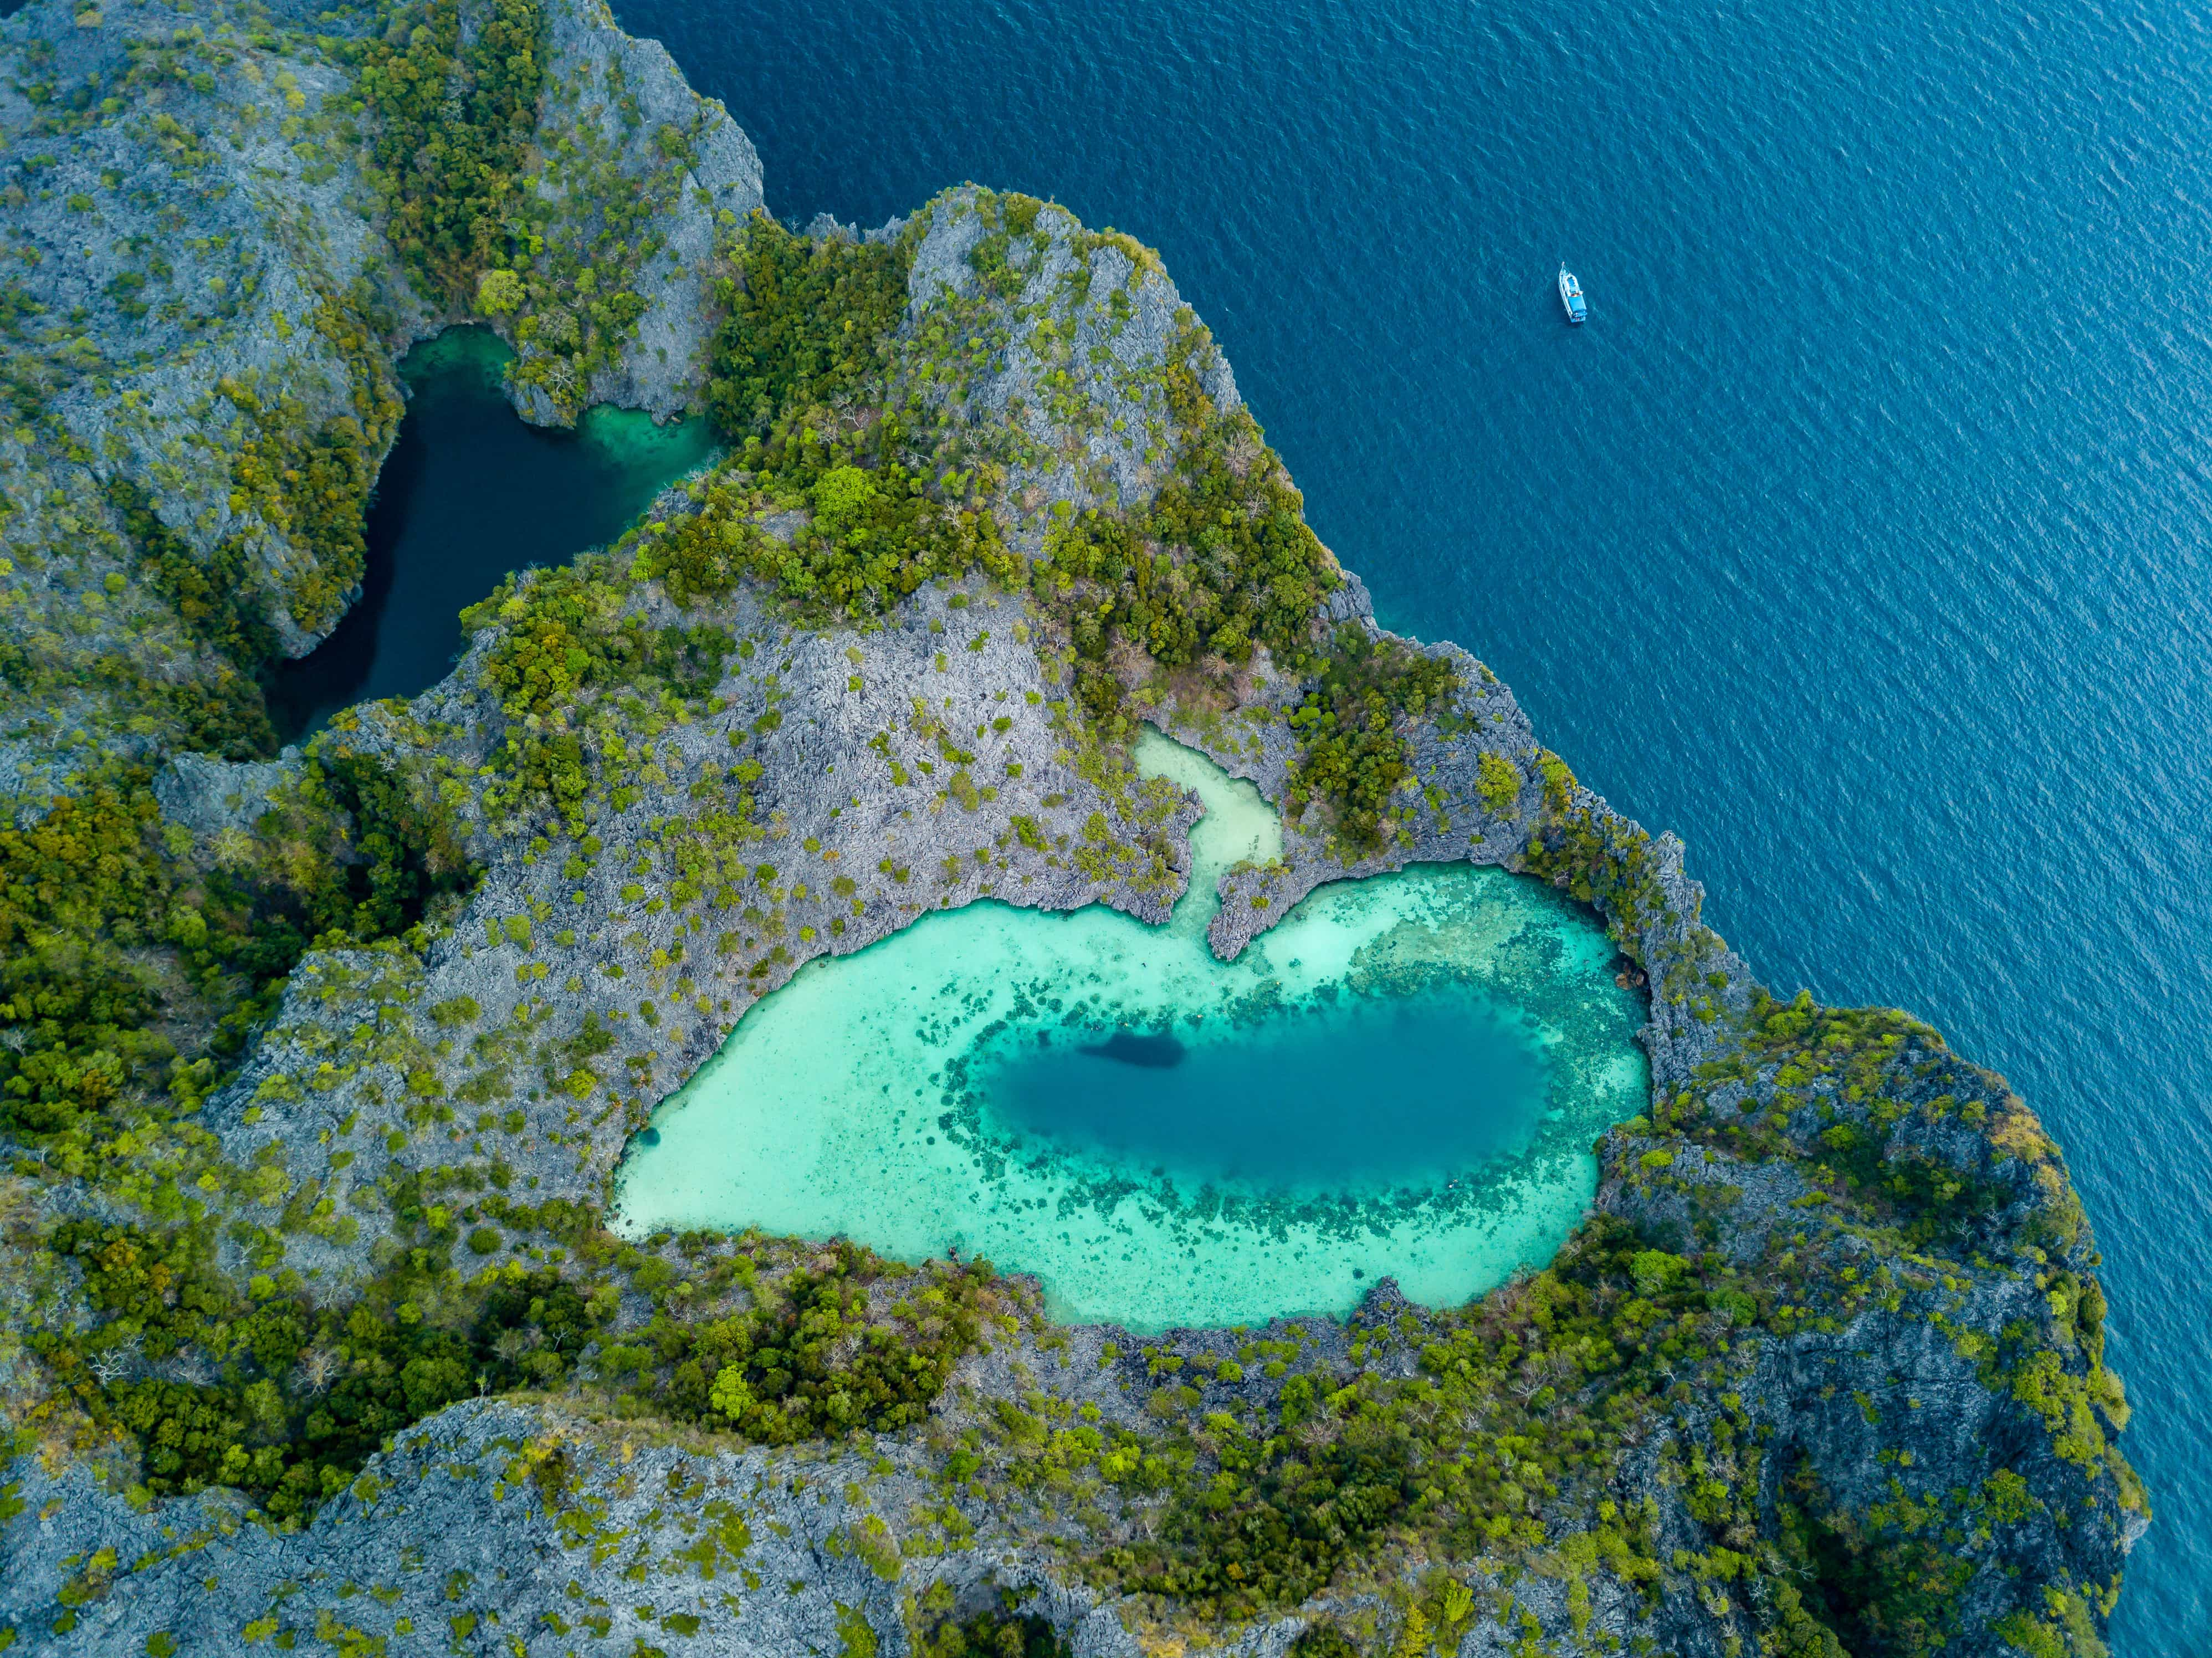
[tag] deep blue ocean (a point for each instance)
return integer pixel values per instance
(1860, 536)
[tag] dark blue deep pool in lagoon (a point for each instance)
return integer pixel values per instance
(1370, 1091)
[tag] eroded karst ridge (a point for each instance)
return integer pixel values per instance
(315, 1065)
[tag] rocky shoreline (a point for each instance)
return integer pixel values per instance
(1847, 1359)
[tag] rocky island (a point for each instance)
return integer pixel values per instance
(317, 1061)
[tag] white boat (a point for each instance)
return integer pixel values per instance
(1570, 295)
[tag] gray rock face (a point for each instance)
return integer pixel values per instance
(476, 1527)
(1107, 437)
(197, 303)
(208, 798)
(622, 103)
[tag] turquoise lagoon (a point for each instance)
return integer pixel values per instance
(1403, 1079)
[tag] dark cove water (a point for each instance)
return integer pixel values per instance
(1371, 1092)
(1859, 538)
(469, 493)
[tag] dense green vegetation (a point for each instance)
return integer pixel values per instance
(223, 609)
(79, 889)
(452, 115)
(1351, 752)
(847, 1343)
(1277, 1534)
(1323, 1641)
(808, 322)
(291, 1400)
(1498, 781)
(1220, 562)
(402, 846)
(799, 369)
(874, 531)
(102, 924)
(564, 643)
(1002, 1633)
(1234, 565)
(1895, 1595)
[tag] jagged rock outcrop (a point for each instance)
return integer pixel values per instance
(196, 334)
(650, 176)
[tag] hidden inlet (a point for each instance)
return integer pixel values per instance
(726, 938)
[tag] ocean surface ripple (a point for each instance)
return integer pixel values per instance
(1859, 538)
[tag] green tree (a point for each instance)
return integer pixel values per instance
(808, 322)
(1499, 781)
(498, 293)
(842, 493)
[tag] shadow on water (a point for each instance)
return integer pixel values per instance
(1153, 1053)
(471, 493)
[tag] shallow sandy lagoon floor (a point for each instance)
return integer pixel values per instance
(1403, 1079)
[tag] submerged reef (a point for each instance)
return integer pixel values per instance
(317, 1064)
